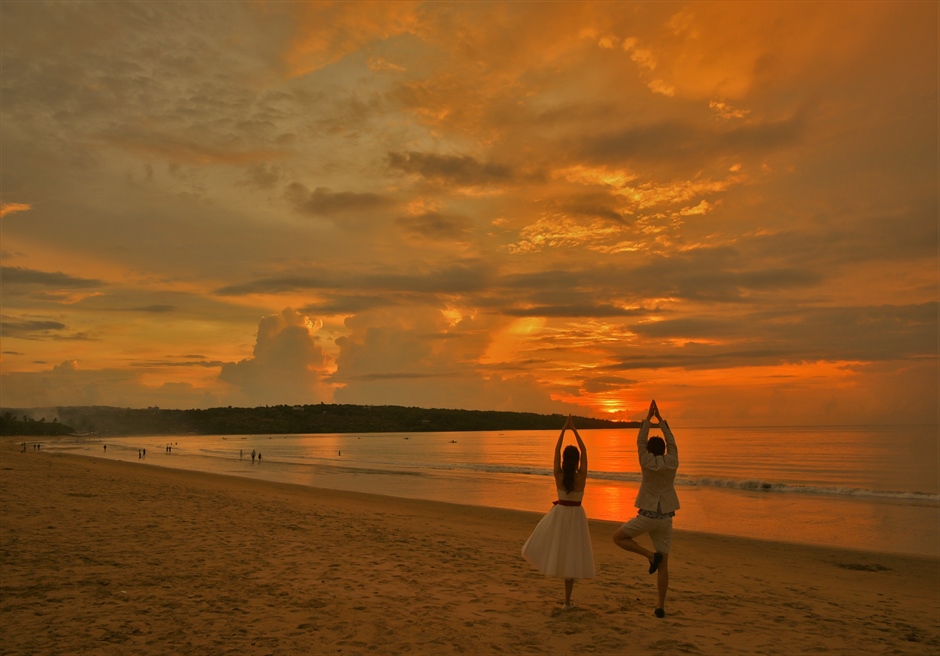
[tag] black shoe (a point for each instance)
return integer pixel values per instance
(657, 559)
(659, 612)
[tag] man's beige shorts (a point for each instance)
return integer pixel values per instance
(660, 531)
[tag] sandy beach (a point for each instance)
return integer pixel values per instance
(103, 557)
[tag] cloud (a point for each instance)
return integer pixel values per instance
(208, 364)
(394, 357)
(602, 384)
(586, 310)
(323, 202)
(673, 141)
(494, 184)
(346, 303)
(450, 169)
(839, 334)
(326, 32)
(562, 232)
(197, 150)
(725, 110)
(68, 384)
(152, 309)
(39, 329)
(453, 279)
(23, 276)
(287, 363)
(263, 176)
(435, 226)
(29, 329)
(10, 208)
(662, 87)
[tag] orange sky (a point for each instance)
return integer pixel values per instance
(549, 207)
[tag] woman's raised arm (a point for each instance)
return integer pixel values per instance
(556, 467)
(583, 468)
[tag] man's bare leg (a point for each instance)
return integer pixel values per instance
(662, 583)
(569, 586)
(627, 543)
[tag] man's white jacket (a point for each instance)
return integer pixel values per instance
(658, 490)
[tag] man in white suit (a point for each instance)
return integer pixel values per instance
(657, 501)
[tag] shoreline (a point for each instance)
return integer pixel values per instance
(101, 556)
(896, 525)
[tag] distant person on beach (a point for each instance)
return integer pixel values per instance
(657, 501)
(106, 448)
(252, 456)
(560, 546)
(259, 457)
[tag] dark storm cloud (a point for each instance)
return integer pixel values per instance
(595, 206)
(28, 329)
(713, 274)
(462, 170)
(20, 275)
(464, 278)
(674, 140)
(718, 274)
(699, 356)
(606, 384)
(434, 226)
(324, 202)
(909, 235)
(887, 332)
(38, 329)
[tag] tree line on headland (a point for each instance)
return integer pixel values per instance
(277, 419)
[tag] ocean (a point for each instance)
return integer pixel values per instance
(872, 488)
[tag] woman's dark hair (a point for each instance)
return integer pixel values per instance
(569, 465)
(656, 446)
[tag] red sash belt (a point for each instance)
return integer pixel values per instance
(565, 502)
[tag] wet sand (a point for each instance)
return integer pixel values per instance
(104, 557)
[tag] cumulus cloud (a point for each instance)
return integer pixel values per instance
(287, 363)
(396, 357)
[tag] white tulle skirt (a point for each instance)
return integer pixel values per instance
(560, 545)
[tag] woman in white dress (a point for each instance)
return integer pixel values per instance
(560, 546)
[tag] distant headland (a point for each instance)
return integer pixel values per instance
(277, 419)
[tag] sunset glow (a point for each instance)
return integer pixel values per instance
(548, 207)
